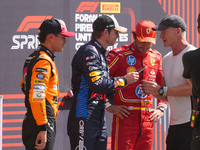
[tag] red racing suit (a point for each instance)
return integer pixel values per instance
(136, 131)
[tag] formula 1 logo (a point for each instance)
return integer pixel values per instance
(87, 6)
(30, 22)
(28, 41)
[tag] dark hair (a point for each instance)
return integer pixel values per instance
(43, 35)
(97, 34)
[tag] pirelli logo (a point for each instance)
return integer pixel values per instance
(110, 7)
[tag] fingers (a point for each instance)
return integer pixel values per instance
(40, 144)
(123, 111)
(41, 140)
(157, 114)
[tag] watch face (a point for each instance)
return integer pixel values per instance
(161, 91)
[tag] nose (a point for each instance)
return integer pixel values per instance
(147, 45)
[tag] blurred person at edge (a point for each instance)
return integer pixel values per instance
(192, 75)
(40, 84)
(175, 89)
(91, 85)
(135, 130)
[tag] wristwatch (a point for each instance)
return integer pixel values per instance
(162, 108)
(161, 91)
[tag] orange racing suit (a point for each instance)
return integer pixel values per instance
(40, 86)
(136, 131)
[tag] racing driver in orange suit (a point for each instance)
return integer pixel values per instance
(135, 132)
(40, 84)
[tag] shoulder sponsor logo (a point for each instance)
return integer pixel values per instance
(95, 78)
(41, 70)
(91, 68)
(131, 60)
(87, 6)
(119, 82)
(90, 57)
(24, 40)
(110, 7)
(94, 73)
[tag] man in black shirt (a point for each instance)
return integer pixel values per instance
(192, 75)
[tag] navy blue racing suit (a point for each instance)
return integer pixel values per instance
(90, 84)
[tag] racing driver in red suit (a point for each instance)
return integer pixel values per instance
(135, 132)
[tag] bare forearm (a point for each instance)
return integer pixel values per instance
(181, 90)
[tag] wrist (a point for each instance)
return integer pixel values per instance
(163, 91)
(161, 108)
(107, 103)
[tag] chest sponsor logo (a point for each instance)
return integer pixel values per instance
(98, 96)
(39, 86)
(152, 61)
(131, 60)
(39, 81)
(138, 93)
(130, 69)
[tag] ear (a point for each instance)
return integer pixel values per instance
(50, 36)
(105, 31)
(178, 31)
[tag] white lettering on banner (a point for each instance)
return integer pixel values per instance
(83, 29)
(78, 45)
(85, 17)
(25, 41)
(83, 36)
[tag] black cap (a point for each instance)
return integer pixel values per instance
(55, 26)
(171, 21)
(105, 22)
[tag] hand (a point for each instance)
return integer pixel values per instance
(119, 110)
(149, 87)
(156, 114)
(41, 140)
(132, 77)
